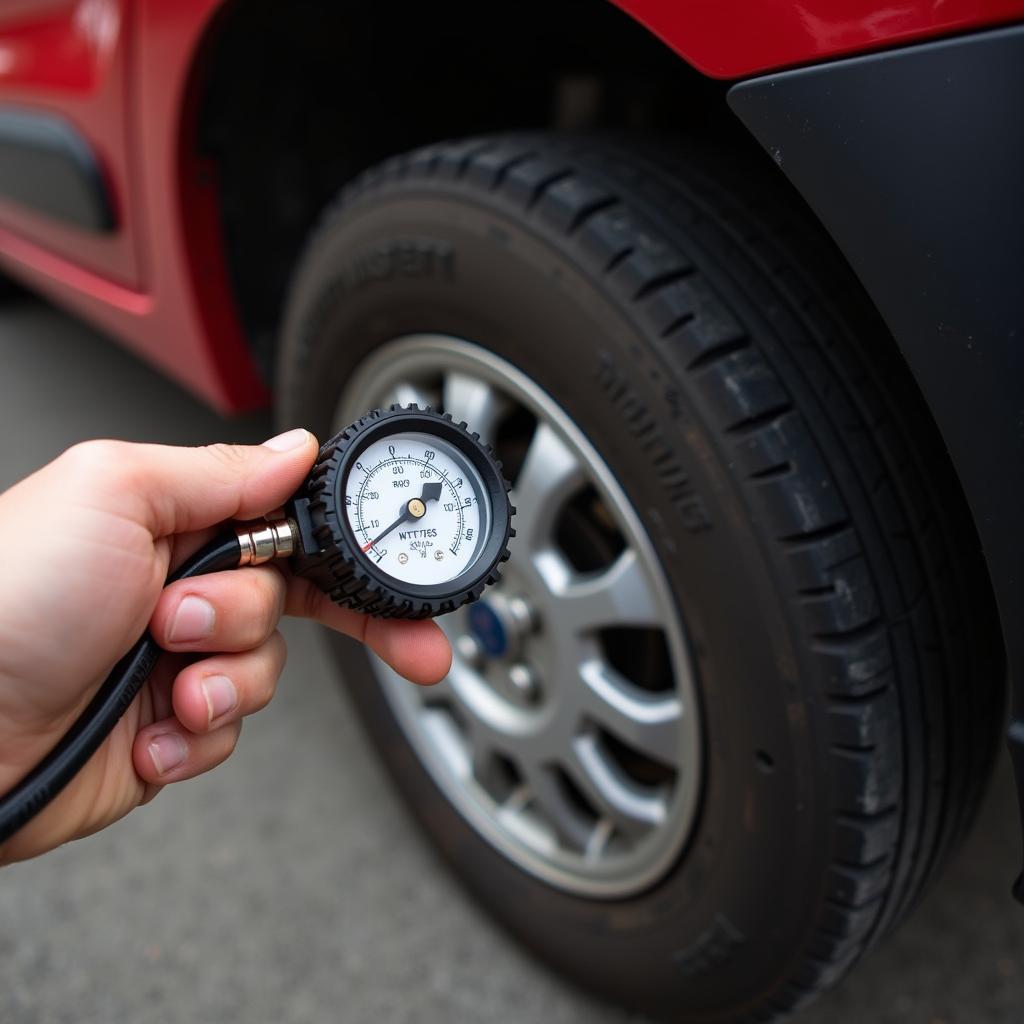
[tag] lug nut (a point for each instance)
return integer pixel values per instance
(522, 614)
(524, 682)
(468, 649)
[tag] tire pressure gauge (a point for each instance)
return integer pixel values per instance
(405, 514)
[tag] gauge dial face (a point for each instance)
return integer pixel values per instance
(418, 508)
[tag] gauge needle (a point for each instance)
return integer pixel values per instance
(415, 508)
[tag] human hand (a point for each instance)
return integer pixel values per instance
(89, 540)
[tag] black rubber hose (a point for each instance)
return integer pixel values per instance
(112, 699)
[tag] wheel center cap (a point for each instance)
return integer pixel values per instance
(488, 630)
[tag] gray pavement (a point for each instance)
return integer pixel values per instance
(289, 887)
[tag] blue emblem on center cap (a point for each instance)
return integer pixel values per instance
(487, 629)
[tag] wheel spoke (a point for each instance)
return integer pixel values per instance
(650, 723)
(550, 474)
(476, 702)
(599, 839)
(517, 815)
(466, 742)
(470, 399)
(448, 741)
(621, 595)
(442, 694)
(554, 803)
(615, 796)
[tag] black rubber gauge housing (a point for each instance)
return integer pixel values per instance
(331, 555)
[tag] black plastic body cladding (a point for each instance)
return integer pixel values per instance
(914, 161)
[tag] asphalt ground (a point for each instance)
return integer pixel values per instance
(289, 886)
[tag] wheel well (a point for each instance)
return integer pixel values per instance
(293, 106)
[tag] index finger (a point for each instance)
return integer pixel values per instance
(171, 490)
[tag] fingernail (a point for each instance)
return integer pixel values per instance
(167, 752)
(221, 696)
(194, 620)
(288, 440)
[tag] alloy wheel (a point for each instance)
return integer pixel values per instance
(567, 732)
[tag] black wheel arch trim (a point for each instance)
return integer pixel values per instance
(913, 160)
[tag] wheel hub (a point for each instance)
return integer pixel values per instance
(489, 629)
(497, 645)
(500, 624)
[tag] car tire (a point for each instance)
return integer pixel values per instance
(730, 378)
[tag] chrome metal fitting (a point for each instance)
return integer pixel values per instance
(259, 544)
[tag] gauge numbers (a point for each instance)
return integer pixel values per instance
(417, 507)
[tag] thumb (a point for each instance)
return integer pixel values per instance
(173, 490)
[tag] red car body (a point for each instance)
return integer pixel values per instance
(126, 75)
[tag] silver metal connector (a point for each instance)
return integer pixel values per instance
(259, 544)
